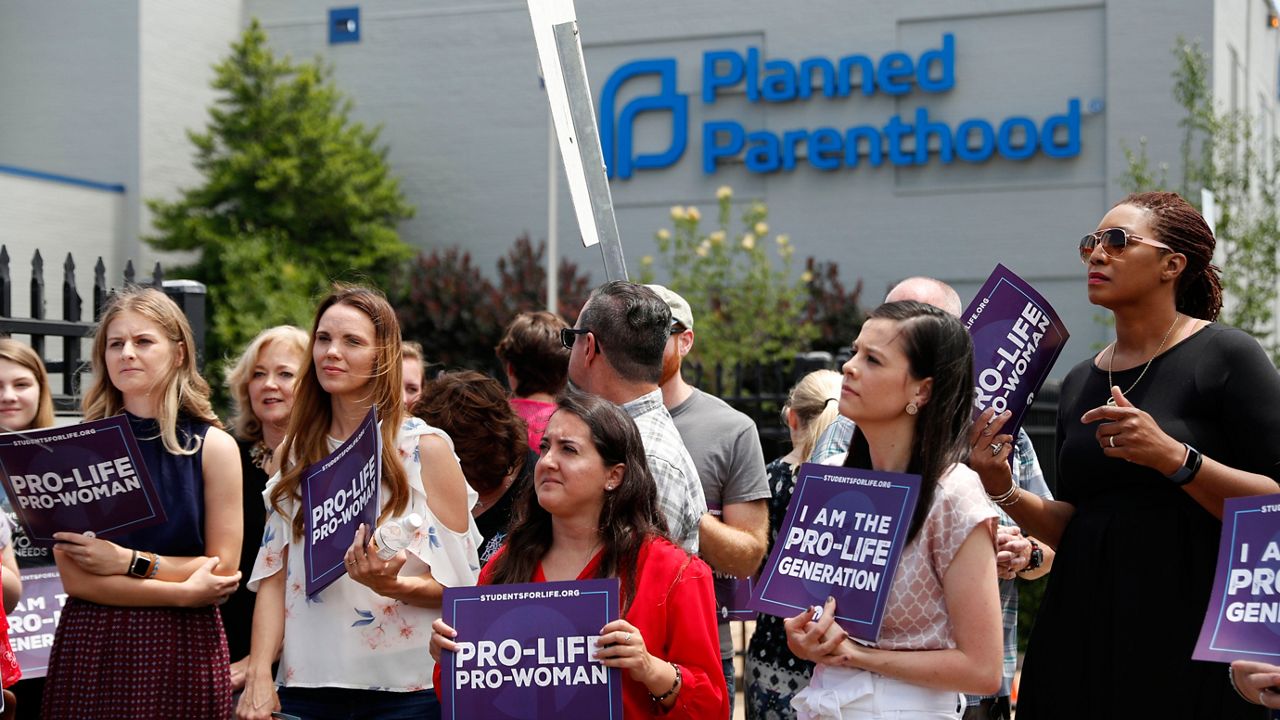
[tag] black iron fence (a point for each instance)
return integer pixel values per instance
(69, 333)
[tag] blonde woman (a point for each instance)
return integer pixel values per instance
(261, 384)
(359, 648)
(140, 635)
(773, 673)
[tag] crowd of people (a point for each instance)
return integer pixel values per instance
(597, 459)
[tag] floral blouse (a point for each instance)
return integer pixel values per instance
(347, 635)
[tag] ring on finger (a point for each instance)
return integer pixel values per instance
(626, 638)
(1111, 439)
(996, 448)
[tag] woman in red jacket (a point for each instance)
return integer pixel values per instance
(593, 514)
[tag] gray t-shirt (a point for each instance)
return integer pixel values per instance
(725, 447)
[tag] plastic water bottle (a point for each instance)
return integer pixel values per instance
(394, 536)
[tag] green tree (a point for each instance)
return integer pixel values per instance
(1222, 152)
(754, 308)
(294, 193)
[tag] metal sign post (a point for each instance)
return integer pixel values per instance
(555, 29)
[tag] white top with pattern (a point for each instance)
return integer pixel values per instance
(347, 635)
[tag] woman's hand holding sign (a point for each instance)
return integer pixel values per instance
(989, 452)
(92, 554)
(813, 635)
(622, 646)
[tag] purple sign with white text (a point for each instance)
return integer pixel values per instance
(1243, 619)
(1017, 336)
(733, 593)
(844, 531)
(32, 622)
(524, 652)
(339, 493)
(86, 477)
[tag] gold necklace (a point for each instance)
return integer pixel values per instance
(1111, 358)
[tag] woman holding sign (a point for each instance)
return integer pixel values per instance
(25, 404)
(140, 635)
(909, 388)
(593, 514)
(357, 648)
(1154, 433)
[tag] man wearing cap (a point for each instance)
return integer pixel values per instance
(615, 351)
(725, 446)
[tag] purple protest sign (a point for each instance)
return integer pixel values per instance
(1017, 336)
(842, 536)
(524, 651)
(733, 594)
(1243, 619)
(339, 493)
(86, 477)
(32, 622)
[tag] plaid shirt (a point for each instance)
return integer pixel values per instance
(833, 441)
(1028, 475)
(680, 496)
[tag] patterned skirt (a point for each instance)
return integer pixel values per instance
(145, 663)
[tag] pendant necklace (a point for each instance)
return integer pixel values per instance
(1112, 357)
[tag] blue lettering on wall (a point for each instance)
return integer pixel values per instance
(914, 139)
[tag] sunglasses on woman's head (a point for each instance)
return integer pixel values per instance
(1113, 241)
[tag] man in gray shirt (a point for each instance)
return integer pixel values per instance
(725, 446)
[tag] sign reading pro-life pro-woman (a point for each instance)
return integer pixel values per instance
(525, 652)
(82, 478)
(1017, 336)
(339, 493)
(842, 536)
(1243, 619)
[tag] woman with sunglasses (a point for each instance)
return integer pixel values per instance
(1154, 433)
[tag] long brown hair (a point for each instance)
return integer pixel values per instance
(629, 515)
(937, 346)
(184, 392)
(22, 354)
(489, 438)
(306, 441)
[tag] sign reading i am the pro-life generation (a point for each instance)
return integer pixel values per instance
(525, 651)
(339, 493)
(1243, 619)
(81, 478)
(32, 622)
(842, 536)
(1017, 337)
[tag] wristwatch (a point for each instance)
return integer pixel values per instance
(1190, 466)
(140, 565)
(1036, 559)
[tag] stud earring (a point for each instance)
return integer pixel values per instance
(912, 408)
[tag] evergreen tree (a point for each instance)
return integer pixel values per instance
(295, 193)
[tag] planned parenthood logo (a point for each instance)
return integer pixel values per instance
(904, 140)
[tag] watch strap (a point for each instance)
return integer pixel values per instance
(1190, 466)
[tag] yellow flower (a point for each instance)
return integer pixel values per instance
(647, 260)
(748, 241)
(761, 229)
(806, 277)
(784, 239)
(677, 213)
(703, 249)
(724, 192)
(664, 234)
(786, 251)
(692, 213)
(716, 237)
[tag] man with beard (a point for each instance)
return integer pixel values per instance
(725, 446)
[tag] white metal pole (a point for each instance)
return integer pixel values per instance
(553, 219)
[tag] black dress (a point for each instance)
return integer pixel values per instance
(1133, 573)
(237, 612)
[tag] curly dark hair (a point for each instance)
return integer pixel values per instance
(531, 345)
(630, 514)
(1180, 226)
(489, 438)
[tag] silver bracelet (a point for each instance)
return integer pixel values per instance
(1231, 678)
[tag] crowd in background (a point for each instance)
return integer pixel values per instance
(597, 459)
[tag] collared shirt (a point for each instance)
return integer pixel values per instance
(1028, 476)
(833, 441)
(680, 496)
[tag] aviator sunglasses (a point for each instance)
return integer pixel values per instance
(1113, 241)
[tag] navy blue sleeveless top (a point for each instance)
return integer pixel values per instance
(179, 480)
